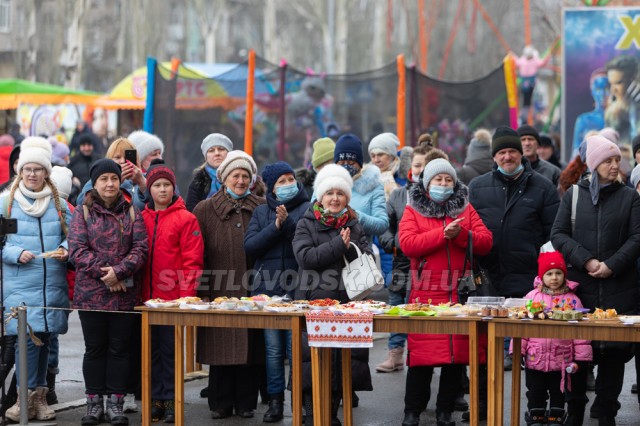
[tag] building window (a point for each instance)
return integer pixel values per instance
(5, 16)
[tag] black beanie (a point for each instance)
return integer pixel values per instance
(526, 130)
(103, 166)
(635, 144)
(505, 137)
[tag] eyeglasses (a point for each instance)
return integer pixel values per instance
(28, 171)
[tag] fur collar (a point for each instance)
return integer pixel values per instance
(201, 179)
(453, 207)
(368, 179)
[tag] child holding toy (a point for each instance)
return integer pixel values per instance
(546, 360)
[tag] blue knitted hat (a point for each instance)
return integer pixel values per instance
(272, 173)
(348, 147)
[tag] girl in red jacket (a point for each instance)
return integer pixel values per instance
(434, 234)
(172, 271)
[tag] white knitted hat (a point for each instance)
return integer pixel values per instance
(333, 176)
(145, 143)
(216, 139)
(386, 143)
(61, 177)
(35, 149)
(237, 160)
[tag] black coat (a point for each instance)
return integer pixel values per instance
(520, 227)
(80, 165)
(609, 232)
(390, 239)
(276, 267)
(319, 251)
(198, 188)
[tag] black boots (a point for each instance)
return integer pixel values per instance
(52, 398)
(536, 417)
(443, 418)
(575, 413)
(556, 417)
(276, 408)
(411, 419)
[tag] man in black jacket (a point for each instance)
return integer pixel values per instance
(519, 206)
(530, 139)
(81, 163)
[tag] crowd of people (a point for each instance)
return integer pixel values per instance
(102, 235)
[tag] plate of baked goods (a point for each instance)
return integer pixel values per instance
(161, 303)
(281, 307)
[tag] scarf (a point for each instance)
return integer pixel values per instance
(215, 184)
(328, 219)
(41, 200)
(562, 290)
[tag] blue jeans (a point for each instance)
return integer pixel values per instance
(397, 340)
(278, 345)
(54, 354)
(37, 358)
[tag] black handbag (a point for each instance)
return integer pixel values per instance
(476, 282)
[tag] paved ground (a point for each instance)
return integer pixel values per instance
(383, 406)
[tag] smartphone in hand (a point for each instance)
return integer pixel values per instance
(131, 155)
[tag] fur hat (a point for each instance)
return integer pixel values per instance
(434, 168)
(35, 149)
(145, 143)
(348, 147)
(599, 149)
(551, 260)
(386, 143)
(158, 170)
(216, 139)
(505, 137)
(323, 149)
(236, 160)
(333, 176)
(272, 173)
(102, 166)
(62, 177)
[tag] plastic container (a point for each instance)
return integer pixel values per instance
(495, 301)
(513, 302)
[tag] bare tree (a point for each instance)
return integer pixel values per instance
(72, 55)
(209, 16)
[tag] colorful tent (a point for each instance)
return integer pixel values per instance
(14, 92)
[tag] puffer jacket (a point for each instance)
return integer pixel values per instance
(319, 250)
(436, 265)
(520, 226)
(41, 282)
(547, 170)
(275, 264)
(553, 354)
(176, 252)
(108, 238)
(369, 202)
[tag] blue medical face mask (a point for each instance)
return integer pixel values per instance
(440, 193)
(351, 169)
(286, 192)
(513, 173)
(236, 196)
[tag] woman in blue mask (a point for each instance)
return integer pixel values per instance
(268, 240)
(224, 219)
(434, 235)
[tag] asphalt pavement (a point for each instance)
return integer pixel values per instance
(383, 406)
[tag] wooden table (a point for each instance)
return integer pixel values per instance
(611, 330)
(179, 318)
(321, 361)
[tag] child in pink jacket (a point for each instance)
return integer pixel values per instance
(546, 360)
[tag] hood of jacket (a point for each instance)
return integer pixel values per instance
(177, 204)
(368, 179)
(420, 202)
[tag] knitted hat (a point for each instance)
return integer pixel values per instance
(216, 139)
(236, 160)
(35, 149)
(435, 167)
(526, 130)
(158, 170)
(546, 141)
(272, 173)
(385, 143)
(7, 140)
(59, 150)
(599, 149)
(62, 177)
(102, 166)
(85, 139)
(145, 143)
(611, 134)
(330, 177)
(505, 137)
(551, 260)
(323, 149)
(348, 147)
(635, 144)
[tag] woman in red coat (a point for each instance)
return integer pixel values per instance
(434, 233)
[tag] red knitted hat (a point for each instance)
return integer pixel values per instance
(159, 170)
(551, 260)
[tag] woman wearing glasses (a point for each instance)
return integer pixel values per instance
(34, 263)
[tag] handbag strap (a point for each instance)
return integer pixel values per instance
(344, 256)
(468, 257)
(574, 207)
